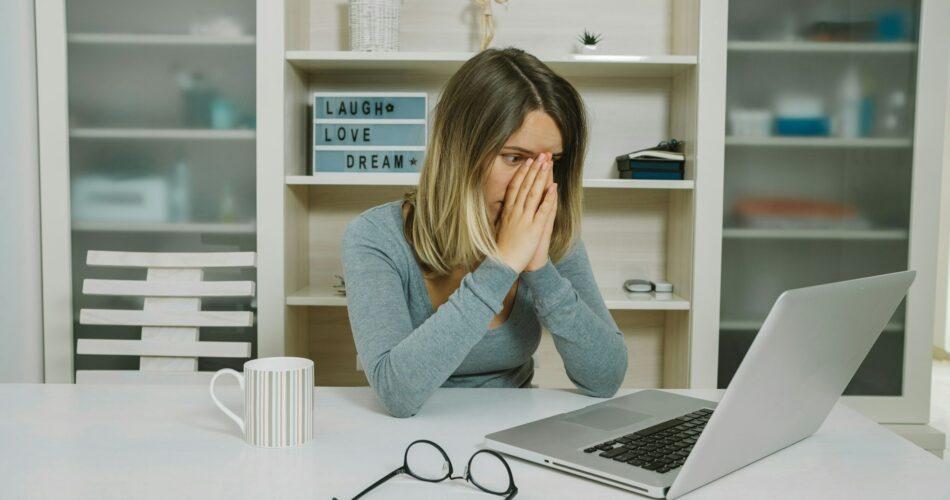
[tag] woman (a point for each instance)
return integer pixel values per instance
(450, 286)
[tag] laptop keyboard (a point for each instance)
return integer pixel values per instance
(660, 448)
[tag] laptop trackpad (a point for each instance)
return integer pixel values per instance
(607, 418)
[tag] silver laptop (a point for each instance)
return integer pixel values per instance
(665, 445)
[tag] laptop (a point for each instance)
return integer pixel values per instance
(661, 444)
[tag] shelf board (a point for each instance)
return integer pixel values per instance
(615, 299)
(412, 179)
(165, 227)
(815, 234)
(637, 184)
(316, 296)
(751, 325)
(823, 47)
(352, 179)
(820, 142)
(162, 133)
(447, 62)
(159, 39)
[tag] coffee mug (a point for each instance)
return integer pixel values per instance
(278, 401)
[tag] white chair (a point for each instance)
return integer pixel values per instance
(169, 348)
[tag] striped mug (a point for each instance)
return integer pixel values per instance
(278, 401)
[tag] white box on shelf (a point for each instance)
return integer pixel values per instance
(99, 199)
(750, 122)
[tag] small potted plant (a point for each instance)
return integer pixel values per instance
(587, 42)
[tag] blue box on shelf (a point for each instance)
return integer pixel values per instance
(814, 126)
(368, 132)
(642, 168)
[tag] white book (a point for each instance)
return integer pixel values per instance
(654, 154)
(666, 150)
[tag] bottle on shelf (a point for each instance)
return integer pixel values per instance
(228, 209)
(180, 193)
(894, 119)
(849, 105)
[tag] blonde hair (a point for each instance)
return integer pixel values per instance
(482, 105)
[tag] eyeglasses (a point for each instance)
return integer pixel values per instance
(427, 461)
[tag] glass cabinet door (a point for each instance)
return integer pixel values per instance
(818, 162)
(162, 145)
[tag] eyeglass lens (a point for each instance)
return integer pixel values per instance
(489, 473)
(426, 462)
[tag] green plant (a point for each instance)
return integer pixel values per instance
(589, 38)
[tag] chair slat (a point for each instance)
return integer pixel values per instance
(165, 318)
(170, 259)
(146, 377)
(168, 288)
(164, 348)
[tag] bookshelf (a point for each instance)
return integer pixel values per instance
(646, 88)
(887, 173)
(105, 90)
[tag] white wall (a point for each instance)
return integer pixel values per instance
(942, 323)
(21, 326)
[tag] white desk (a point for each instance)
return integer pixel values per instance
(103, 442)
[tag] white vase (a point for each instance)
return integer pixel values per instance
(585, 49)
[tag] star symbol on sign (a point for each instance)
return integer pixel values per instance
(412, 161)
(390, 108)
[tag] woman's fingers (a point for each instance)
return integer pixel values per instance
(536, 190)
(514, 186)
(548, 207)
(528, 181)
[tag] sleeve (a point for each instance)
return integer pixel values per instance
(568, 303)
(405, 365)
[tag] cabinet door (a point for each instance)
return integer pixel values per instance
(819, 166)
(161, 120)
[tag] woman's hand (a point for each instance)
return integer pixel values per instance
(530, 204)
(541, 254)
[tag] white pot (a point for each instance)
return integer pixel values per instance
(585, 49)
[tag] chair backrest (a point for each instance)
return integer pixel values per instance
(169, 348)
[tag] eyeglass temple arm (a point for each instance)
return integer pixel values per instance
(385, 478)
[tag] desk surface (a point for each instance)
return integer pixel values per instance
(68, 441)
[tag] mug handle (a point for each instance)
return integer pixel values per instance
(229, 413)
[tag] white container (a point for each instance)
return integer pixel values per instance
(849, 105)
(580, 48)
(103, 199)
(799, 106)
(750, 122)
(374, 25)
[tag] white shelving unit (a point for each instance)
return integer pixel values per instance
(889, 176)
(114, 78)
(411, 179)
(665, 77)
(647, 90)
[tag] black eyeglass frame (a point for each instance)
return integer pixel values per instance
(404, 469)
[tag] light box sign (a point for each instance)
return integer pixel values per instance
(369, 132)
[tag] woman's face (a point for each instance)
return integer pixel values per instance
(538, 134)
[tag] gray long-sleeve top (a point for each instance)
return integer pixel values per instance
(408, 349)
